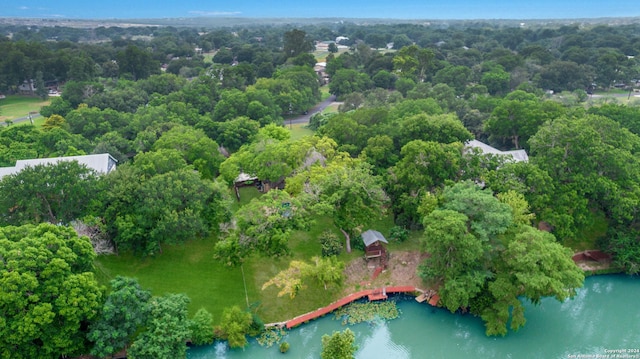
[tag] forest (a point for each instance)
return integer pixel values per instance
(186, 111)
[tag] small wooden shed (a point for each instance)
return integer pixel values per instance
(373, 244)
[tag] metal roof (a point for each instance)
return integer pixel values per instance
(370, 237)
(102, 163)
(516, 155)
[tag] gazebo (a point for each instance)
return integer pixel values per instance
(373, 245)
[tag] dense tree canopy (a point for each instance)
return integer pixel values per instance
(54, 193)
(485, 255)
(124, 312)
(48, 292)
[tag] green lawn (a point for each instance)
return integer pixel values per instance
(298, 131)
(188, 268)
(15, 106)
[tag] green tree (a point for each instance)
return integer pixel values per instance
(48, 292)
(56, 193)
(331, 244)
(350, 192)
(235, 325)
(346, 81)
(485, 256)
(593, 162)
(455, 258)
(202, 328)
(265, 225)
(518, 116)
(423, 167)
(167, 329)
(496, 80)
(533, 265)
(137, 63)
(155, 201)
(196, 148)
(296, 42)
(414, 62)
(339, 345)
(54, 121)
(124, 312)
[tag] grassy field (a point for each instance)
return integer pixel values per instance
(15, 106)
(298, 130)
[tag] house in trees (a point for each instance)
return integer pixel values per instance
(102, 163)
(515, 156)
(374, 246)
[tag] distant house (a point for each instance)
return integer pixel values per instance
(323, 45)
(101, 163)
(514, 156)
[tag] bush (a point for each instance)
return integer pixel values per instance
(399, 233)
(331, 244)
(284, 347)
(357, 243)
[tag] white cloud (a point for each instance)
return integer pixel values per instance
(23, 8)
(214, 13)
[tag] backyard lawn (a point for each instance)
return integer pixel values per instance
(190, 268)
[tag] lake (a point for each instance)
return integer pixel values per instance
(603, 317)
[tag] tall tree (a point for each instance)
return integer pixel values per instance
(124, 312)
(167, 329)
(533, 265)
(296, 43)
(485, 256)
(264, 225)
(235, 325)
(350, 192)
(56, 193)
(202, 328)
(414, 62)
(48, 291)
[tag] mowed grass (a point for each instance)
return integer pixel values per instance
(299, 130)
(188, 268)
(15, 106)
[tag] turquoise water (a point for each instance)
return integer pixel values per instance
(603, 316)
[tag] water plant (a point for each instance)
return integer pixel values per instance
(367, 312)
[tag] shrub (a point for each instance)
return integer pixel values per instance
(284, 347)
(331, 244)
(399, 233)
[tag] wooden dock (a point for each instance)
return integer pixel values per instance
(371, 294)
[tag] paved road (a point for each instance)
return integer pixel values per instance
(22, 119)
(318, 108)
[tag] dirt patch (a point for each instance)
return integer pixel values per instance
(401, 270)
(587, 265)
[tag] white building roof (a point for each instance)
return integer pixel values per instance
(102, 163)
(516, 155)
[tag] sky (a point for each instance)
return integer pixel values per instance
(396, 9)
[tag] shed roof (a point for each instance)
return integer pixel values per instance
(370, 237)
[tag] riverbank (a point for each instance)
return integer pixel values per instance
(598, 318)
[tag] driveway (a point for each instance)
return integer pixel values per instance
(317, 108)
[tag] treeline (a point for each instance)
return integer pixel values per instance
(566, 57)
